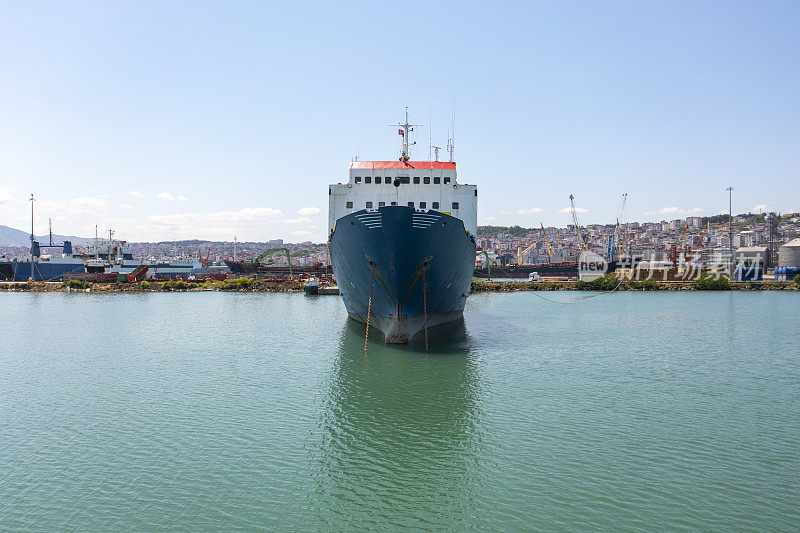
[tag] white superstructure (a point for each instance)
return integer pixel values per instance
(423, 185)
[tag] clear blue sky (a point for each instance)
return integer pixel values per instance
(243, 113)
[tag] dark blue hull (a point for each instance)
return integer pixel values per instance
(402, 250)
(43, 270)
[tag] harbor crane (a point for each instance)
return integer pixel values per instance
(577, 226)
(203, 260)
(264, 254)
(617, 231)
(521, 253)
(550, 251)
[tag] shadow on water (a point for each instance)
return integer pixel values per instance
(450, 338)
(401, 431)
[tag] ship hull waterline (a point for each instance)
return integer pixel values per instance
(389, 256)
(43, 270)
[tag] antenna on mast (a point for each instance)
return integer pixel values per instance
(451, 141)
(436, 151)
(430, 131)
(32, 200)
(450, 148)
(405, 130)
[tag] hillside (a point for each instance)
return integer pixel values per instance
(15, 237)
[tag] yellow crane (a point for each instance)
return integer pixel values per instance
(521, 252)
(581, 242)
(550, 250)
(617, 232)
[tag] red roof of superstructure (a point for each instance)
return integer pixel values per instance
(421, 165)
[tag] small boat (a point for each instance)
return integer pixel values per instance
(312, 286)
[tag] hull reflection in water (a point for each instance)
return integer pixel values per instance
(400, 433)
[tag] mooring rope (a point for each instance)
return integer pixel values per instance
(369, 305)
(425, 303)
(579, 299)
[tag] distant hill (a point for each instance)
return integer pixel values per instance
(15, 237)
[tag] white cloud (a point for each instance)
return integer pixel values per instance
(526, 211)
(309, 211)
(673, 210)
(490, 219)
(137, 194)
(247, 213)
(221, 225)
(79, 215)
(85, 202)
(9, 195)
(760, 208)
(569, 210)
(182, 199)
(301, 220)
(165, 196)
(302, 233)
(74, 207)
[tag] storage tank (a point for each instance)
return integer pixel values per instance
(789, 254)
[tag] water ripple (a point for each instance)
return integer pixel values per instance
(261, 411)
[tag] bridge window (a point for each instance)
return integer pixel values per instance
(416, 180)
(426, 180)
(455, 205)
(410, 204)
(422, 205)
(437, 180)
(405, 179)
(394, 203)
(387, 179)
(349, 205)
(369, 205)
(358, 179)
(368, 179)
(446, 181)
(435, 205)
(381, 204)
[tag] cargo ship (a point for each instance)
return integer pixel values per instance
(567, 269)
(275, 271)
(46, 267)
(402, 242)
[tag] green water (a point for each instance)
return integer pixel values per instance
(211, 411)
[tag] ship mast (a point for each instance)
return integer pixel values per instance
(33, 240)
(405, 130)
(32, 200)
